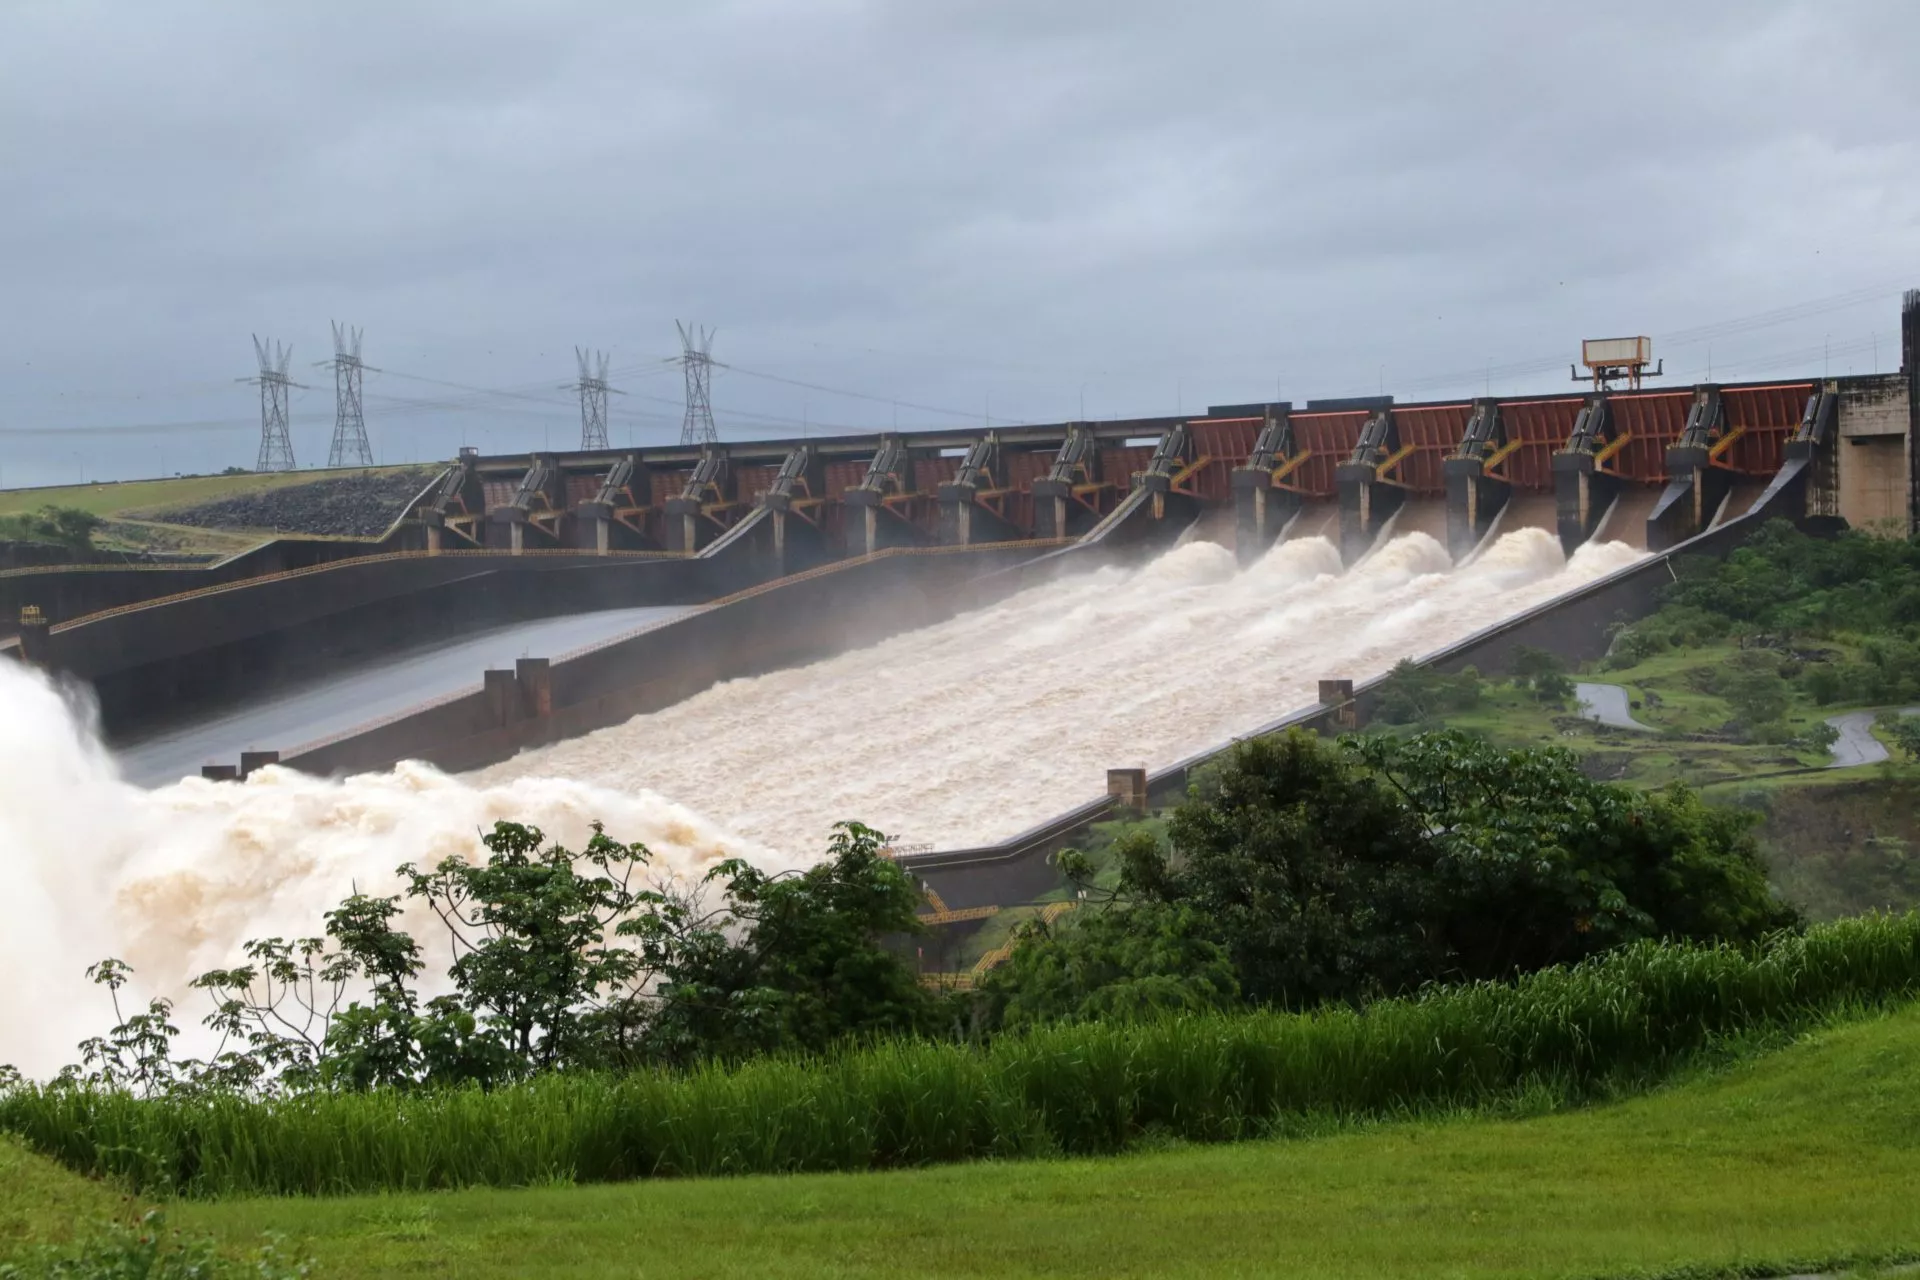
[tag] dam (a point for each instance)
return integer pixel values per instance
(959, 637)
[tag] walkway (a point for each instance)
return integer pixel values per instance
(1608, 704)
(1856, 744)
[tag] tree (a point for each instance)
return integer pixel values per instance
(790, 961)
(1754, 689)
(1132, 960)
(1413, 692)
(1543, 673)
(1902, 731)
(68, 527)
(1325, 871)
(559, 962)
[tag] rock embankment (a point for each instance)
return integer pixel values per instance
(353, 506)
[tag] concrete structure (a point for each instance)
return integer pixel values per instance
(798, 548)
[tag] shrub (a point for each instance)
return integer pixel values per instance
(1611, 1021)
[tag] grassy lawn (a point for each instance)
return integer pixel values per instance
(136, 509)
(1806, 1155)
(1686, 740)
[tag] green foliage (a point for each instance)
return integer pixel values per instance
(1131, 961)
(1542, 673)
(1902, 731)
(1753, 687)
(1785, 583)
(1619, 1019)
(559, 963)
(147, 1250)
(1412, 693)
(793, 962)
(1343, 872)
(67, 527)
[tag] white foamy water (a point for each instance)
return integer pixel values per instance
(959, 733)
(974, 729)
(174, 880)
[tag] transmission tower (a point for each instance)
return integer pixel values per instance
(696, 358)
(593, 390)
(276, 446)
(350, 445)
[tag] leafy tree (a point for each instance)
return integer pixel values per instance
(1542, 673)
(530, 929)
(1754, 689)
(1341, 871)
(1413, 692)
(1131, 960)
(1902, 731)
(790, 961)
(67, 527)
(559, 962)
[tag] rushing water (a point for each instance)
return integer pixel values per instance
(976, 728)
(962, 732)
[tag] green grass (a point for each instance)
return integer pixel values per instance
(1618, 1021)
(1800, 1157)
(125, 496)
(136, 509)
(41, 1202)
(1685, 721)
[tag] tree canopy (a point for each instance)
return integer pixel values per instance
(1303, 871)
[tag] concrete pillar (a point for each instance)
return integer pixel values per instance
(253, 760)
(1128, 787)
(503, 696)
(1581, 495)
(219, 773)
(535, 678)
(35, 637)
(1338, 695)
(517, 537)
(1364, 507)
(1474, 501)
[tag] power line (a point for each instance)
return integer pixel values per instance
(350, 445)
(968, 414)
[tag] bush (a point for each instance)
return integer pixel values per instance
(1079, 1088)
(1367, 867)
(146, 1250)
(1413, 693)
(67, 527)
(559, 963)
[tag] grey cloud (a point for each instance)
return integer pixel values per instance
(955, 204)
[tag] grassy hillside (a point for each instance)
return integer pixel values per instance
(136, 510)
(1800, 1157)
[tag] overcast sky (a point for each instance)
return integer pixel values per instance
(999, 210)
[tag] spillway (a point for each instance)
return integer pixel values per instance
(957, 733)
(319, 708)
(974, 729)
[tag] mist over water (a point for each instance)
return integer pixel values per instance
(959, 733)
(174, 880)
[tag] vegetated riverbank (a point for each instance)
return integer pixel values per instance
(1793, 1161)
(1618, 1021)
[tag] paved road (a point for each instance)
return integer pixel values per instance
(306, 712)
(1856, 744)
(1607, 703)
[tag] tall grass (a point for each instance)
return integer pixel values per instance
(1624, 1017)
